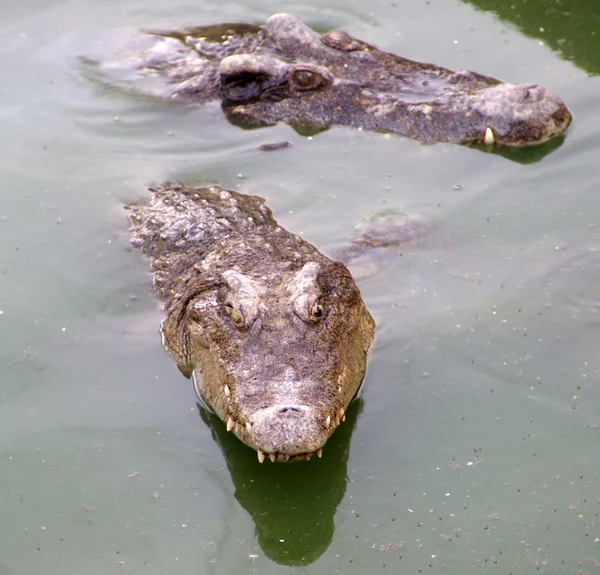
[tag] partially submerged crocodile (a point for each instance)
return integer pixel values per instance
(286, 72)
(274, 334)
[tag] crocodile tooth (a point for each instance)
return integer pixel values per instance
(309, 456)
(341, 412)
(320, 453)
(248, 426)
(328, 421)
(286, 457)
(226, 390)
(230, 424)
(272, 457)
(261, 456)
(489, 137)
(344, 417)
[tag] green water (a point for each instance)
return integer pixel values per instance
(475, 446)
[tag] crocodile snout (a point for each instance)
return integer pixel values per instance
(290, 429)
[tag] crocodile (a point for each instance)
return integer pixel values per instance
(273, 333)
(286, 72)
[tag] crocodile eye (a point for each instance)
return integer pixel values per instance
(235, 315)
(316, 312)
(307, 80)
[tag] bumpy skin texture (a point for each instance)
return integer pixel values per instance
(286, 72)
(274, 333)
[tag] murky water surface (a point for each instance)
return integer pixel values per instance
(476, 445)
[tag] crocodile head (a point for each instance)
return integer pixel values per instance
(277, 356)
(286, 72)
(313, 81)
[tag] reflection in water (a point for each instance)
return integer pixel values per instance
(292, 505)
(569, 26)
(526, 155)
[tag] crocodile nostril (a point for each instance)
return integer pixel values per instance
(532, 93)
(290, 411)
(286, 409)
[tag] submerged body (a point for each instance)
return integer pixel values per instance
(286, 72)
(274, 333)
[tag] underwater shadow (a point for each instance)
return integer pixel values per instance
(292, 504)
